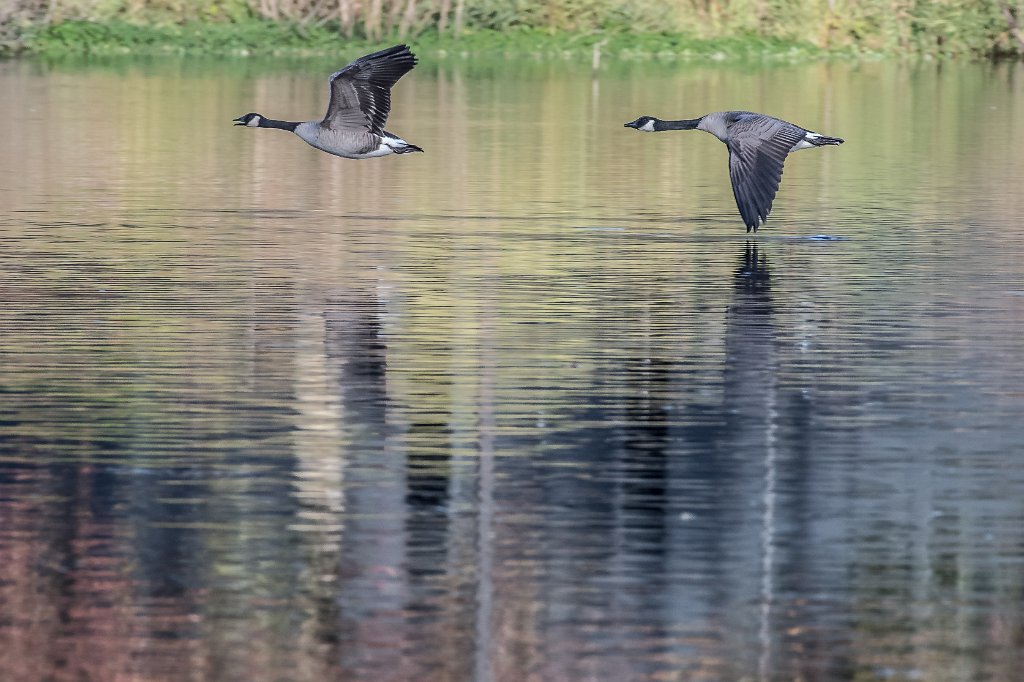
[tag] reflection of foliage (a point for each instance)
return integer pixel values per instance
(295, 359)
(940, 27)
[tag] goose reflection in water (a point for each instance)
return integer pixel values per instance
(750, 340)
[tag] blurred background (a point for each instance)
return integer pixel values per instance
(935, 27)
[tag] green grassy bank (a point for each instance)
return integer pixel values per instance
(717, 29)
(279, 38)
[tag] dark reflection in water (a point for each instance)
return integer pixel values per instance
(533, 408)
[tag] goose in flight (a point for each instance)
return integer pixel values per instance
(360, 101)
(758, 145)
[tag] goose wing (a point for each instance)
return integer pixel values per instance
(758, 146)
(361, 92)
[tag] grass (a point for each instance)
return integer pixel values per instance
(266, 38)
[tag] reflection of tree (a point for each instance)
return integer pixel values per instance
(360, 595)
(374, 478)
(642, 464)
(68, 528)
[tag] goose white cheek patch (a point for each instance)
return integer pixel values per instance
(647, 127)
(254, 122)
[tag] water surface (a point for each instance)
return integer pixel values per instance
(529, 406)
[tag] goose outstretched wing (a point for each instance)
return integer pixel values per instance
(758, 146)
(361, 92)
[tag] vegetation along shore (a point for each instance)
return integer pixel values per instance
(717, 29)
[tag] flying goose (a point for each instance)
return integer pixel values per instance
(758, 145)
(360, 101)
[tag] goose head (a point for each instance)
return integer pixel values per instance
(249, 120)
(644, 124)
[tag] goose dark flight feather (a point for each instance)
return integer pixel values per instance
(758, 145)
(360, 100)
(361, 92)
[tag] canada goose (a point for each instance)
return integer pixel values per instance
(360, 101)
(758, 145)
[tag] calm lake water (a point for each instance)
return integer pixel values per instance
(530, 406)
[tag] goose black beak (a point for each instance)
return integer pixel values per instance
(238, 121)
(631, 124)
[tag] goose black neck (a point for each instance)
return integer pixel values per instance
(282, 125)
(685, 124)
